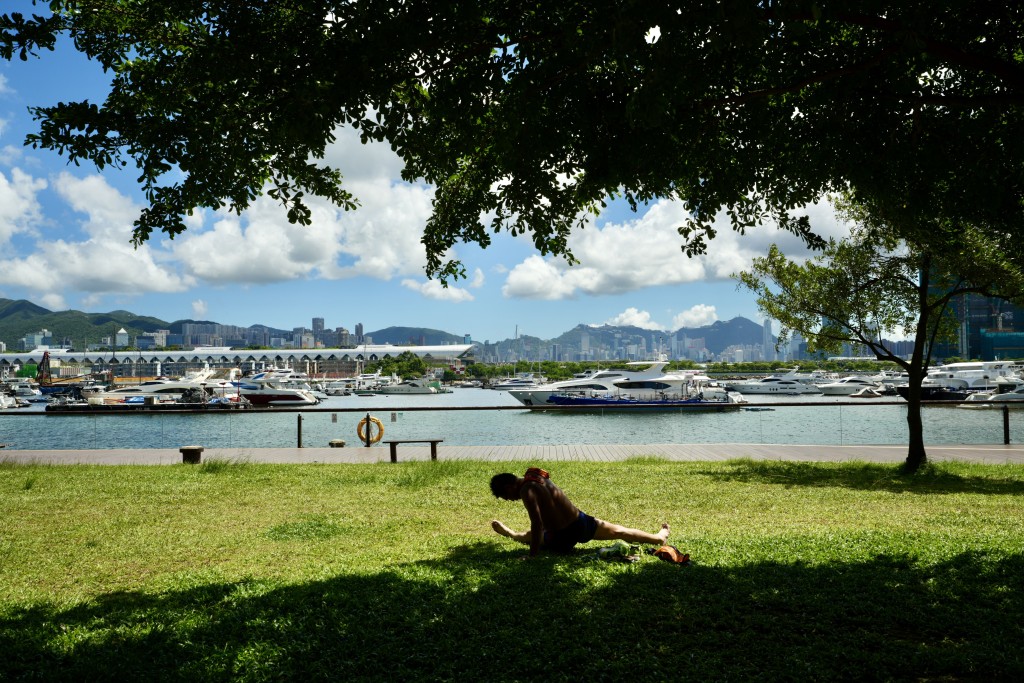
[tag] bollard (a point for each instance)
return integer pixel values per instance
(337, 443)
(1006, 424)
(191, 454)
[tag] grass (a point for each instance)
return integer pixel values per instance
(344, 572)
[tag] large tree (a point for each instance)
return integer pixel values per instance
(872, 287)
(531, 114)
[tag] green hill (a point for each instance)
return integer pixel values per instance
(19, 318)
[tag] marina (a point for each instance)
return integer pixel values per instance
(485, 418)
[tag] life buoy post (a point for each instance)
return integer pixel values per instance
(365, 430)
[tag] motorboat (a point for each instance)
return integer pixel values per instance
(265, 389)
(847, 386)
(644, 381)
(160, 388)
(589, 384)
(731, 401)
(890, 378)
(786, 384)
(958, 381)
(973, 376)
(523, 380)
(9, 401)
(25, 389)
(995, 399)
(867, 392)
(422, 385)
(363, 384)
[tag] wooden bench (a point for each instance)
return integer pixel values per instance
(393, 445)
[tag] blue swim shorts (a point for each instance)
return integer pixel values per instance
(579, 531)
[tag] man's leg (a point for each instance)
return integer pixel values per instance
(502, 529)
(606, 531)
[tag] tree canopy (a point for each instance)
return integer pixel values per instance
(528, 115)
(872, 287)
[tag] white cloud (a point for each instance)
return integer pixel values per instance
(104, 261)
(4, 88)
(476, 281)
(199, 309)
(433, 289)
(53, 301)
(19, 203)
(9, 154)
(618, 258)
(360, 163)
(540, 278)
(635, 318)
(698, 316)
(380, 240)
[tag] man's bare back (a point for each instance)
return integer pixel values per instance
(555, 522)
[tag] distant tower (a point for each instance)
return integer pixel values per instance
(318, 329)
(768, 341)
(359, 333)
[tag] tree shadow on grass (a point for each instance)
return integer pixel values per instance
(932, 479)
(479, 613)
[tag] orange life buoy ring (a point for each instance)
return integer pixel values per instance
(365, 424)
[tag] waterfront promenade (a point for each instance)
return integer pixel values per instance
(991, 454)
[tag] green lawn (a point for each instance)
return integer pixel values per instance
(263, 572)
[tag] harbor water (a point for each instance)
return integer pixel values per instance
(468, 417)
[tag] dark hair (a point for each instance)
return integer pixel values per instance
(500, 482)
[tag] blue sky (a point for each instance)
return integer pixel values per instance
(65, 244)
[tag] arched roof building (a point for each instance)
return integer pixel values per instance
(216, 356)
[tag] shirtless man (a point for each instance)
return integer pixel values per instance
(555, 523)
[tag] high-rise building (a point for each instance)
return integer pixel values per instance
(768, 341)
(318, 329)
(359, 333)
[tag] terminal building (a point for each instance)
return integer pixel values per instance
(314, 362)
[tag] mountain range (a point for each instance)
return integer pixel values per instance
(20, 318)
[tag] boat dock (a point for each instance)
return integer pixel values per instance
(355, 453)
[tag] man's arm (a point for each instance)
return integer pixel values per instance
(532, 505)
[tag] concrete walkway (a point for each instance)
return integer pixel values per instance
(992, 454)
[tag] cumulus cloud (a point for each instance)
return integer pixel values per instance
(360, 163)
(433, 289)
(618, 258)
(698, 316)
(381, 239)
(103, 260)
(53, 301)
(19, 203)
(635, 318)
(199, 309)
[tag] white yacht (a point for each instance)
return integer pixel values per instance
(958, 381)
(787, 384)
(523, 380)
(973, 376)
(847, 386)
(25, 388)
(422, 385)
(647, 377)
(159, 389)
(266, 389)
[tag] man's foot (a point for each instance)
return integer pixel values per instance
(663, 534)
(501, 528)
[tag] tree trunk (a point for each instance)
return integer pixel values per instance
(916, 456)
